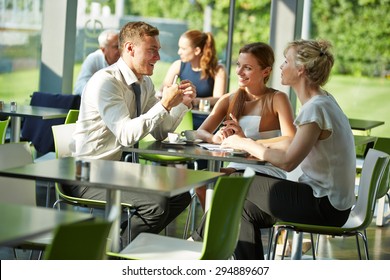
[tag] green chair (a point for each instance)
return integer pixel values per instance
(223, 222)
(185, 124)
(373, 173)
(3, 129)
(63, 148)
(80, 241)
(72, 116)
(383, 144)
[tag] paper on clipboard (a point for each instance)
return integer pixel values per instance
(214, 147)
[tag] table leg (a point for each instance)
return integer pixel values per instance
(296, 250)
(380, 211)
(15, 129)
(113, 207)
(215, 166)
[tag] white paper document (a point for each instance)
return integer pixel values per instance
(214, 147)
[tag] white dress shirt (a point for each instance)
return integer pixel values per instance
(107, 120)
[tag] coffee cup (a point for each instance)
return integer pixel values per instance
(190, 135)
(173, 137)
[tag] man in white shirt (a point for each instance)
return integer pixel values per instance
(107, 54)
(108, 120)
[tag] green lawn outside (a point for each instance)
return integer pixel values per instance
(359, 97)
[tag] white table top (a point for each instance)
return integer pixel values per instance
(25, 222)
(191, 151)
(117, 175)
(34, 111)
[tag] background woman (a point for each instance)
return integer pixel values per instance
(199, 63)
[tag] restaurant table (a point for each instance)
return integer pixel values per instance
(214, 158)
(364, 140)
(364, 125)
(116, 176)
(20, 222)
(363, 143)
(29, 111)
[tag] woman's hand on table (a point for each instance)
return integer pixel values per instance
(233, 141)
(232, 127)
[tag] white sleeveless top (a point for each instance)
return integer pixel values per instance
(250, 126)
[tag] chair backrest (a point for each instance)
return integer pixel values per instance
(38, 131)
(373, 172)
(79, 241)
(82, 241)
(16, 191)
(63, 147)
(72, 116)
(223, 219)
(63, 140)
(186, 123)
(383, 144)
(3, 129)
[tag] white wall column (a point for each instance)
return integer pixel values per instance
(286, 26)
(119, 8)
(58, 46)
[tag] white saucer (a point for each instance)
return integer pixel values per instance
(166, 142)
(196, 141)
(238, 152)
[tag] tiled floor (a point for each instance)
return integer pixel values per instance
(329, 247)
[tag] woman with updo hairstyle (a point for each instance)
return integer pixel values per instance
(198, 63)
(323, 146)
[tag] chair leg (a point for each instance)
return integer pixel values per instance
(275, 243)
(358, 246)
(365, 243)
(274, 239)
(48, 189)
(130, 214)
(285, 244)
(313, 249)
(271, 232)
(191, 216)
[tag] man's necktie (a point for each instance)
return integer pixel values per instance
(137, 92)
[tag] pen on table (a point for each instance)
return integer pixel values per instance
(175, 79)
(232, 117)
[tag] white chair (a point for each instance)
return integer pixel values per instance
(16, 191)
(374, 175)
(63, 143)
